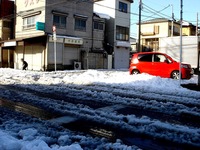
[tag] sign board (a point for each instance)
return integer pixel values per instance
(11, 43)
(54, 28)
(40, 26)
(73, 41)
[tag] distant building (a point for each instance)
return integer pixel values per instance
(133, 42)
(154, 29)
(188, 29)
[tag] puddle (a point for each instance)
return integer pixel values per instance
(27, 109)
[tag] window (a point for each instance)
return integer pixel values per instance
(161, 58)
(151, 44)
(80, 24)
(98, 25)
(29, 22)
(59, 21)
(145, 57)
(122, 33)
(123, 7)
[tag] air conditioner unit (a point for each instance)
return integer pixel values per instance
(77, 65)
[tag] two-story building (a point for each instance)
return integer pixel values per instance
(154, 29)
(65, 33)
(117, 36)
(163, 35)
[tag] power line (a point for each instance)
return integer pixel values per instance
(156, 12)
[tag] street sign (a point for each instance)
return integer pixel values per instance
(54, 28)
(40, 26)
(54, 32)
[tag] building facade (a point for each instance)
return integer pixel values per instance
(189, 29)
(153, 30)
(117, 36)
(65, 33)
(6, 32)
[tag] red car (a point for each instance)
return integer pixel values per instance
(158, 64)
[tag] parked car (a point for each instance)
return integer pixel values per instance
(158, 64)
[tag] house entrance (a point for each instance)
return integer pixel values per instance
(7, 58)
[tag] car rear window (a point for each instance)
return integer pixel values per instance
(145, 57)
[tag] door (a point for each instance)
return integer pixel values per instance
(7, 58)
(161, 66)
(145, 63)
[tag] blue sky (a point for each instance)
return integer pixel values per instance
(163, 8)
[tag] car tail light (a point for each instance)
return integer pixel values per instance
(134, 61)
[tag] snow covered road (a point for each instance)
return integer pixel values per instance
(143, 105)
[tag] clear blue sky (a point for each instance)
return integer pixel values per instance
(163, 8)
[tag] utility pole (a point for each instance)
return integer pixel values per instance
(139, 31)
(197, 29)
(181, 39)
(197, 33)
(54, 39)
(172, 27)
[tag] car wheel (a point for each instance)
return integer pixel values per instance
(135, 71)
(175, 75)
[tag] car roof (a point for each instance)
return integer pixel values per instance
(149, 53)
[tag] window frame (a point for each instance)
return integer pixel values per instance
(60, 18)
(122, 33)
(98, 25)
(80, 24)
(123, 7)
(29, 22)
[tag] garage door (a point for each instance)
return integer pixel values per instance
(70, 55)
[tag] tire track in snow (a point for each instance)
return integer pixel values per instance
(152, 108)
(130, 123)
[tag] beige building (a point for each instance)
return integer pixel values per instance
(65, 32)
(189, 29)
(154, 29)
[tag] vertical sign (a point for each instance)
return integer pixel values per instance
(54, 39)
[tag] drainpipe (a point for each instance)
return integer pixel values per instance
(92, 32)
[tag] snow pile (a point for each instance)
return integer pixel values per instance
(22, 132)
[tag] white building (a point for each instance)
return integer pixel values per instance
(117, 29)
